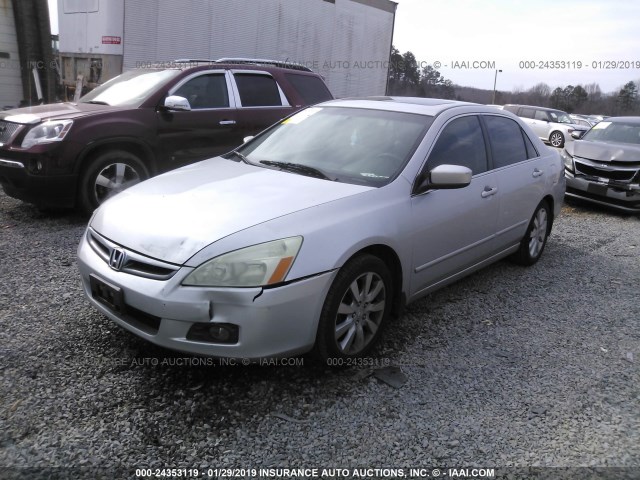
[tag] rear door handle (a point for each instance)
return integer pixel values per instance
(227, 122)
(536, 173)
(488, 191)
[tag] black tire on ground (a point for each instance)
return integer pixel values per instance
(556, 139)
(108, 173)
(355, 311)
(535, 238)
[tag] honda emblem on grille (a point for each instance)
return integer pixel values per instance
(117, 259)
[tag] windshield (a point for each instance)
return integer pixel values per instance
(130, 88)
(560, 117)
(614, 132)
(351, 145)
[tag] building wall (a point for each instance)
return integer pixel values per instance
(10, 77)
(347, 41)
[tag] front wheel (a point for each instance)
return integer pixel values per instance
(108, 174)
(556, 139)
(535, 239)
(356, 308)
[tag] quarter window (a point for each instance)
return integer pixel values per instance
(257, 90)
(205, 91)
(460, 143)
(507, 143)
(311, 89)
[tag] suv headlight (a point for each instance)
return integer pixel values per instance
(50, 131)
(255, 266)
(568, 160)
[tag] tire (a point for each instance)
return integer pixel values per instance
(556, 139)
(350, 323)
(535, 239)
(109, 173)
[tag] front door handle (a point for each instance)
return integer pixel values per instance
(227, 122)
(488, 191)
(536, 173)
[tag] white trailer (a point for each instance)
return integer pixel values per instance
(10, 75)
(347, 41)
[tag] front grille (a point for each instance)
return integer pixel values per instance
(7, 130)
(611, 171)
(134, 263)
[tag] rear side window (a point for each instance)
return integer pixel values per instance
(507, 143)
(527, 112)
(460, 143)
(541, 115)
(257, 90)
(311, 89)
(531, 150)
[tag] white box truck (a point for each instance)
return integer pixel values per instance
(346, 41)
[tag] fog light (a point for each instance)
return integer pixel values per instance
(219, 333)
(226, 333)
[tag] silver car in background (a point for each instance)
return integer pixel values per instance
(315, 233)
(604, 166)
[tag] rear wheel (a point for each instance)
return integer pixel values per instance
(535, 239)
(108, 174)
(356, 308)
(556, 139)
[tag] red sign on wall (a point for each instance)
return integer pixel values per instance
(111, 40)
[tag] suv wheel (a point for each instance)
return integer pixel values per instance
(108, 174)
(556, 139)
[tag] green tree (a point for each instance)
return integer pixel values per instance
(628, 97)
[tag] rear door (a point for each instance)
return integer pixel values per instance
(453, 229)
(521, 176)
(209, 129)
(261, 102)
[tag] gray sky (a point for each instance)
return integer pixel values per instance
(510, 31)
(596, 33)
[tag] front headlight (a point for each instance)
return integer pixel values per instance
(50, 131)
(568, 160)
(255, 266)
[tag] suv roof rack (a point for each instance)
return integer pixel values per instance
(248, 61)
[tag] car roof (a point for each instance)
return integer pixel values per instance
(419, 105)
(633, 120)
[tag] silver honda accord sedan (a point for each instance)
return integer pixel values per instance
(313, 235)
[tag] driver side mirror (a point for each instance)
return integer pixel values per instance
(177, 103)
(577, 134)
(444, 177)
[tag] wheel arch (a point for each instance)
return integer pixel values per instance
(389, 256)
(128, 144)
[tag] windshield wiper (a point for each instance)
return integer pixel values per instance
(297, 168)
(240, 156)
(97, 102)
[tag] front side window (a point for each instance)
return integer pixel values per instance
(257, 90)
(460, 143)
(506, 140)
(205, 91)
(350, 145)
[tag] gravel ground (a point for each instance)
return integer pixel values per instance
(511, 367)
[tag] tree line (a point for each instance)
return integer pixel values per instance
(407, 79)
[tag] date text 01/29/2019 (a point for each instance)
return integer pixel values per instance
(579, 65)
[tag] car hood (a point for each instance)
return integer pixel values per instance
(40, 113)
(605, 151)
(173, 216)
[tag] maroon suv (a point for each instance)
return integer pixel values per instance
(144, 122)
